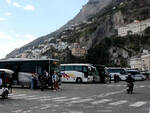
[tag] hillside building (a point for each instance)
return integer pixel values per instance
(145, 60)
(135, 63)
(141, 63)
(134, 28)
(78, 51)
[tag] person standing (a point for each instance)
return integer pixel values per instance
(1, 82)
(32, 81)
(115, 78)
(55, 80)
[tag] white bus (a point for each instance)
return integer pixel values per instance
(78, 73)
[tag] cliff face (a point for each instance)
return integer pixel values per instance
(97, 20)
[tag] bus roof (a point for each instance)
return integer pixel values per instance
(7, 71)
(76, 65)
(115, 67)
(26, 59)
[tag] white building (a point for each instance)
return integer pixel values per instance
(136, 63)
(145, 59)
(134, 28)
(142, 63)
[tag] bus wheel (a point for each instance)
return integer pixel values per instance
(5, 95)
(78, 80)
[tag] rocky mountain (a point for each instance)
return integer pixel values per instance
(95, 29)
(90, 9)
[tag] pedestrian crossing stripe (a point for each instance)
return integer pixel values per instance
(101, 101)
(81, 100)
(36, 98)
(74, 100)
(69, 99)
(142, 86)
(17, 95)
(138, 104)
(118, 102)
(56, 98)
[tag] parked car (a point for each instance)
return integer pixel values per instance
(5, 82)
(136, 75)
(146, 74)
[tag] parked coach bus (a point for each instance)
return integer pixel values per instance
(24, 68)
(78, 73)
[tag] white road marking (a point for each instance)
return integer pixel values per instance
(110, 85)
(119, 85)
(23, 97)
(45, 107)
(56, 98)
(101, 101)
(142, 86)
(17, 111)
(76, 112)
(69, 99)
(28, 111)
(118, 102)
(37, 98)
(80, 101)
(105, 111)
(138, 104)
(18, 95)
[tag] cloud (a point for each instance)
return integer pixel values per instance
(7, 14)
(17, 5)
(8, 1)
(11, 41)
(2, 19)
(27, 7)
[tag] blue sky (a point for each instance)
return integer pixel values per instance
(22, 21)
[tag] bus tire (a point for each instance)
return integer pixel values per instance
(5, 95)
(78, 80)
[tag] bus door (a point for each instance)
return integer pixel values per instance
(38, 69)
(85, 71)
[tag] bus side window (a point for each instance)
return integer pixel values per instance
(62, 68)
(69, 68)
(78, 68)
(85, 70)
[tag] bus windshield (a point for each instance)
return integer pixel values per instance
(121, 71)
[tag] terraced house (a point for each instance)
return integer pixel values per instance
(134, 28)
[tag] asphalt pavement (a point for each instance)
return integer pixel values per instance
(80, 98)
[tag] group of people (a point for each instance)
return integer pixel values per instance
(116, 78)
(45, 80)
(108, 78)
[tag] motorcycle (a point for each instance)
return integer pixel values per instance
(130, 87)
